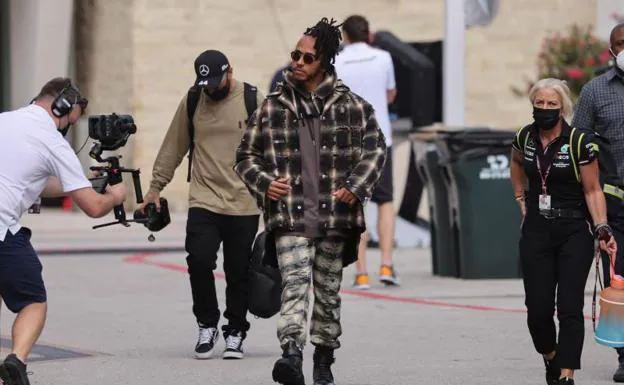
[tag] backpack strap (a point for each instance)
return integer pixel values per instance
(575, 148)
(522, 136)
(191, 105)
(251, 99)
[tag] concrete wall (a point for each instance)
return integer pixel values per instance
(141, 52)
(40, 35)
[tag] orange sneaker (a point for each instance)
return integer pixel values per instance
(388, 275)
(361, 281)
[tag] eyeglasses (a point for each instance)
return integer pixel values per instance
(308, 58)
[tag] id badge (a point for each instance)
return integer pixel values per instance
(544, 202)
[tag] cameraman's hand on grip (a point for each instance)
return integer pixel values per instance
(117, 192)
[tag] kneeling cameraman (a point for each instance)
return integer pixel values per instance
(35, 160)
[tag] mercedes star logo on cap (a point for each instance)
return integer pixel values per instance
(204, 70)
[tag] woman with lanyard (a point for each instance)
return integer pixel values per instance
(561, 218)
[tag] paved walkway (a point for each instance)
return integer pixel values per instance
(125, 318)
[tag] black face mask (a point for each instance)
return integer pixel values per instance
(219, 94)
(64, 130)
(546, 119)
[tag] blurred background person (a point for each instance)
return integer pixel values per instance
(600, 108)
(369, 72)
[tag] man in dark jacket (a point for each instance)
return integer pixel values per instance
(311, 157)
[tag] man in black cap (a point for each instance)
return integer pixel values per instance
(208, 124)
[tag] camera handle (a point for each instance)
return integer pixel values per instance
(114, 174)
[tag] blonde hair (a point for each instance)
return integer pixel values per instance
(561, 88)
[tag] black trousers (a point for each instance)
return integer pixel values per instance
(205, 231)
(556, 256)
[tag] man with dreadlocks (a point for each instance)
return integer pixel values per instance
(311, 156)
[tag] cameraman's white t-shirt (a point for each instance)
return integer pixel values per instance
(31, 151)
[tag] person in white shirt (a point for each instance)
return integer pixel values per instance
(36, 161)
(369, 72)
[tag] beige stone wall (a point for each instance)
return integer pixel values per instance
(156, 54)
(104, 71)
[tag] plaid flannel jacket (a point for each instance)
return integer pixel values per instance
(352, 155)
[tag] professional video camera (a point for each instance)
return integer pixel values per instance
(111, 132)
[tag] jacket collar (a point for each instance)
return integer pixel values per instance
(614, 72)
(328, 91)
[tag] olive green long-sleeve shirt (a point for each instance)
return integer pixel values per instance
(219, 127)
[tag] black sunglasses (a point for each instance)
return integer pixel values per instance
(308, 58)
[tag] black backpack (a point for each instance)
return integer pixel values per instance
(265, 281)
(251, 103)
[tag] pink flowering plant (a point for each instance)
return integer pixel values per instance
(574, 57)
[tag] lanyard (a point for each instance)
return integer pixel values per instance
(548, 158)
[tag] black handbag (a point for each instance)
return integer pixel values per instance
(265, 281)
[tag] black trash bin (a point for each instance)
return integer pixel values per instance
(485, 219)
(444, 262)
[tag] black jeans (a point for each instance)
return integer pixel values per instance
(556, 256)
(205, 230)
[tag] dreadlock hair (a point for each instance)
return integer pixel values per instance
(327, 44)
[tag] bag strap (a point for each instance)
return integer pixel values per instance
(597, 279)
(251, 99)
(191, 105)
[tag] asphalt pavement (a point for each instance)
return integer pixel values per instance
(120, 313)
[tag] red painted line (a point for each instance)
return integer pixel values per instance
(143, 259)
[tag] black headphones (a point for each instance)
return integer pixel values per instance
(65, 100)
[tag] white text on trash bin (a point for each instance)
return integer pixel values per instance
(497, 168)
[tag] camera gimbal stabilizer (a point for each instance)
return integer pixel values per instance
(112, 176)
(113, 132)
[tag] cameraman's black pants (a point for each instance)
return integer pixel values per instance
(205, 230)
(556, 256)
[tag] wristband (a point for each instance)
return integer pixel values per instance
(603, 232)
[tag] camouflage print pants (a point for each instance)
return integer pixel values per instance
(301, 262)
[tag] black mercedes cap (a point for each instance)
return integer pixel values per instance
(210, 66)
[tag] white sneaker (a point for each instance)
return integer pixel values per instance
(206, 342)
(233, 345)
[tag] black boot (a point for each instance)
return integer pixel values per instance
(323, 359)
(552, 371)
(288, 369)
(618, 376)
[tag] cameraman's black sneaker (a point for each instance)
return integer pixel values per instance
(13, 371)
(323, 360)
(552, 371)
(565, 381)
(206, 342)
(233, 345)
(287, 370)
